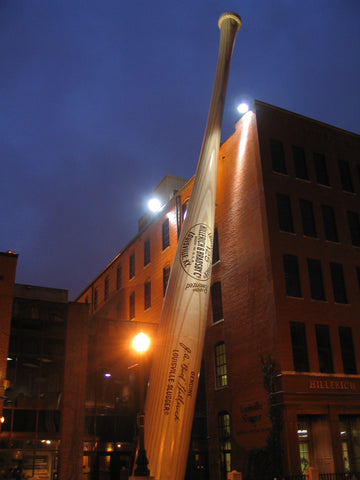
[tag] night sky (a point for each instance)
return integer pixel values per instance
(100, 99)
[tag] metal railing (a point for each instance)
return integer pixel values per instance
(340, 476)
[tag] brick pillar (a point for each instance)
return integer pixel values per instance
(8, 263)
(74, 392)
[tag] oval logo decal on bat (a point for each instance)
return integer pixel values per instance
(196, 252)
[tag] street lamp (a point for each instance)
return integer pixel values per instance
(141, 343)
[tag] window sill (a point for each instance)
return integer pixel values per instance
(217, 389)
(217, 322)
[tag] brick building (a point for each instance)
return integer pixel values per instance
(43, 357)
(282, 350)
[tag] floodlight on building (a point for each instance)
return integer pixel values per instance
(154, 205)
(243, 107)
(107, 375)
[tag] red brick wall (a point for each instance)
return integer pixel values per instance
(8, 263)
(247, 293)
(73, 401)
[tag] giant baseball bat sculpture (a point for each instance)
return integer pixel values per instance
(175, 371)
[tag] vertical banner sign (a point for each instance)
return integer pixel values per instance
(175, 371)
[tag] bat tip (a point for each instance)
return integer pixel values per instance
(234, 17)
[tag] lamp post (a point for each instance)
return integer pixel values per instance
(141, 343)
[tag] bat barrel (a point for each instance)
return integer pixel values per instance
(175, 371)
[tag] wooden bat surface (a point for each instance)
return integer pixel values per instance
(175, 371)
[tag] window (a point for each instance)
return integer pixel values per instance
(321, 169)
(165, 234)
(277, 156)
(147, 295)
(95, 298)
(316, 279)
(347, 350)
(146, 251)
(358, 275)
(329, 223)
(299, 346)
(132, 306)
(300, 162)
(132, 265)
(166, 274)
(292, 279)
(354, 226)
(216, 302)
(349, 434)
(224, 438)
(216, 254)
(324, 349)
(118, 277)
(304, 440)
(345, 176)
(307, 218)
(106, 288)
(338, 282)
(220, 365)
(284, 213)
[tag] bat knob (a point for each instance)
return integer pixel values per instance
(233, 17)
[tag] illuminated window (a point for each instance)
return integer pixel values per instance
(300, 162)
(347, 350)
(321, 169)
(303, 441)
(324, 349)
(316, 279)
(338, 282)
(216, 302)
(345, 176)
(292, 279)
(350, 434)
(224, 438)
(132, 265)
(307, 218)
(166, 274)
(118, 277)
(299, 346)
(165, 234)
(106, 288)
(132, 306)
(146, 251)
(329, 223)
(220, 365)
(277, 156)
(216, 253)
(354, 226)
(284, 213)
(147, 295)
